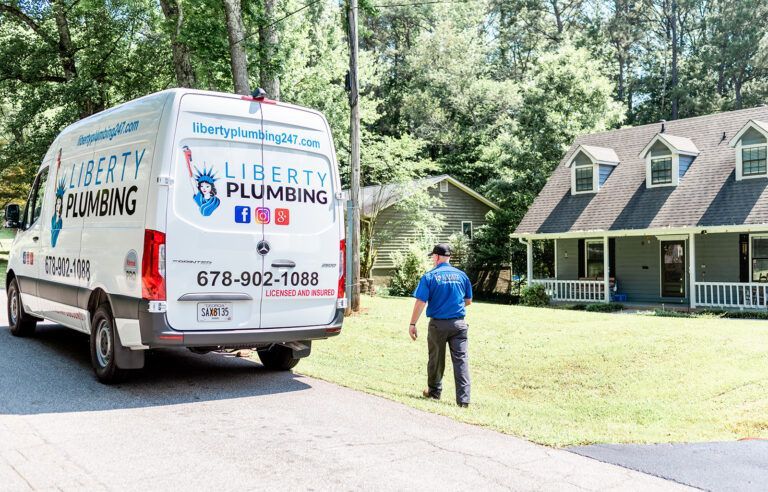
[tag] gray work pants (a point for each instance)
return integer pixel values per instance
(454, 333)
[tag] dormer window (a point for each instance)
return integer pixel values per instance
(751, 143)
(661, 171)
(591, 167)
(667, 159)
(585, 177)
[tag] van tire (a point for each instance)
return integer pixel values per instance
(278, 358)
(103, 340)
(20, 323)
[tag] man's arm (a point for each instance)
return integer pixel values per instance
(418, 308)
(467, 291)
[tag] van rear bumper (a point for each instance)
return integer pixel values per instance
(156, 332)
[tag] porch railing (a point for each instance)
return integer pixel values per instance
(732, 295)
(573, 290)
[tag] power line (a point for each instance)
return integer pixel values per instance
(306, 6)
(418, 4)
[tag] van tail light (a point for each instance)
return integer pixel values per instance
(342, 269)
(153, 266)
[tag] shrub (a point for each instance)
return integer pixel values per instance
(534, 296)
(575, 307)
(409, 267)
(460, 251)
(746, 314)
(671, 314)
(601, 307)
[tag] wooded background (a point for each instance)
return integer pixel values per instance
(489, 91)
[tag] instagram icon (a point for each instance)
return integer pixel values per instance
(262, 215)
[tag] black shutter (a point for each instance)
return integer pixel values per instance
(743, 257)
(612, 256)
(581, 259)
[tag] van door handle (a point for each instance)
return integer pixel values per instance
(283, 264)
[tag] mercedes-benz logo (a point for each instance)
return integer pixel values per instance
(262, 248)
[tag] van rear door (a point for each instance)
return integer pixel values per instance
(301, 219)
(214, 272)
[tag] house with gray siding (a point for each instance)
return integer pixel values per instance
(463, 210)
(672, 213)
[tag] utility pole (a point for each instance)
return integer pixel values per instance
(354, 147)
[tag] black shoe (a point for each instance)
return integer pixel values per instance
(464, 405)
(427, 394)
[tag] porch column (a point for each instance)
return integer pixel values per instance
(529, 274)
(606, 271)
(692, 267)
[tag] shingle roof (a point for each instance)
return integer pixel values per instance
(679, 144)
(708, 195)
(600, 154)
(378, 197)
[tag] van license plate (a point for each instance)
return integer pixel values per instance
(214, 311)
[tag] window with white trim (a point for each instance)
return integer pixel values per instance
(585, 177)
(662, 164)
(661, 170)
(466, 228)
(751, 150)
(443, 186)
(593, 258)
(590, 168)
(753, 160)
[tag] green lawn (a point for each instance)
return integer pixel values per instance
(561, 377)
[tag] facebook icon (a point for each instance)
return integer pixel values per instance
(242, 215)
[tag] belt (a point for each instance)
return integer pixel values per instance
(447, 319)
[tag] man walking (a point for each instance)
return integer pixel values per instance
(445, 291)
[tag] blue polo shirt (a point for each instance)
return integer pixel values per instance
(444, 289)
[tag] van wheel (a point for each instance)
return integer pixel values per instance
(103, 342)
(20, 323)
(278, 358)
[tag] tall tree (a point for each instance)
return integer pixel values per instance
(182, 58)
(268, 42)
(236, 34)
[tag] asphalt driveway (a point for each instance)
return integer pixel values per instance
(722, 466)
(215, 422)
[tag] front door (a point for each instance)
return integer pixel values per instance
(673, 269)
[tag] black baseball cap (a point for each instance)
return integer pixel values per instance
(441, 249)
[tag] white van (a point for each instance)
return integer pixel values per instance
(184, 219)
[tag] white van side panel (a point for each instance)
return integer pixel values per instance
(113, 237)
(91, 228)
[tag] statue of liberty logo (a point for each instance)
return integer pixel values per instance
(203, 186)
(56, 221)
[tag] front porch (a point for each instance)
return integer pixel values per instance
(716, 270)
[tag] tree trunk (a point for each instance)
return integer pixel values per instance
(236, 35)
(87, 104)
(737, 84)
(182, 63)
(268, 42)
(558, 18)
(620, 85)
(673, 87)
(66, 49)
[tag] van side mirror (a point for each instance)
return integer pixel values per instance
(12, 216)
